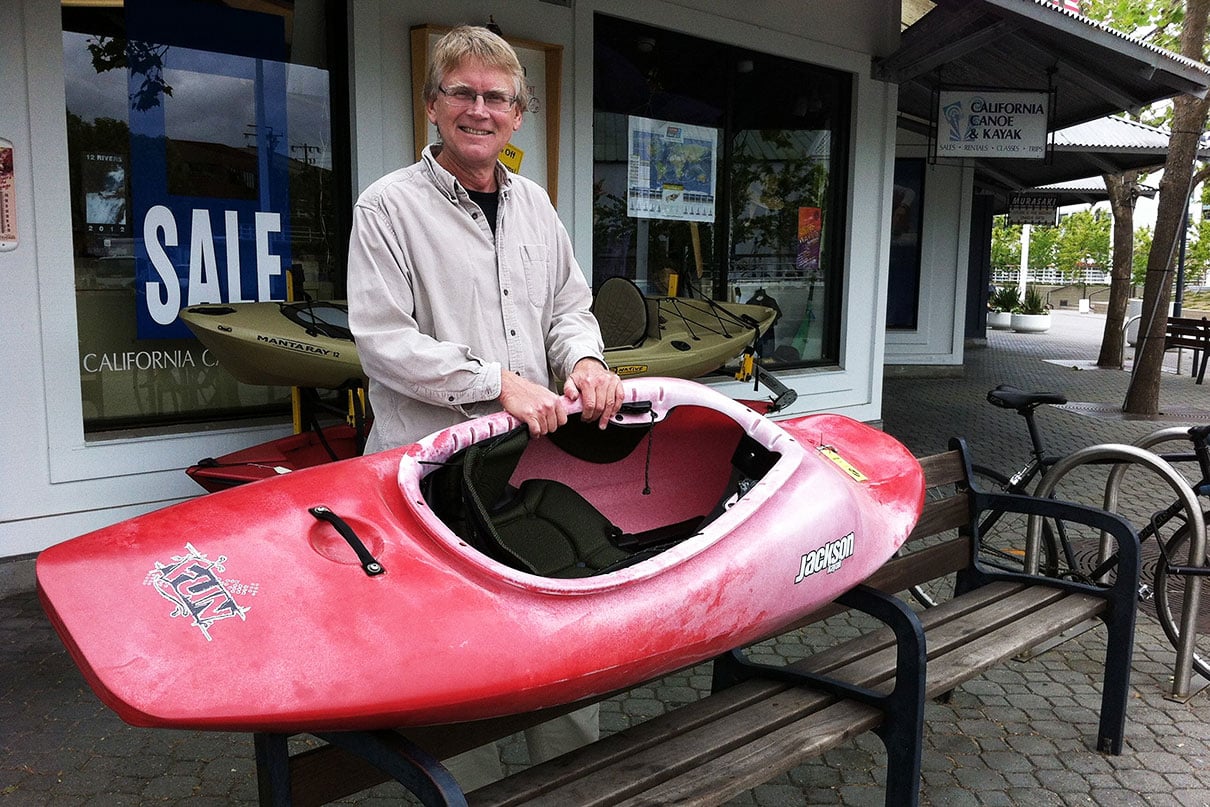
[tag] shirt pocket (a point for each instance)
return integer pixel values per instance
(535, 261)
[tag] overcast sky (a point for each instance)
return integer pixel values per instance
(213, 97)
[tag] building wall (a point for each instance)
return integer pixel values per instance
(944, 255)
(55, 484)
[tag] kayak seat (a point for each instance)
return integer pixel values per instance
(622, 312)
(542, 526)
(555, 532)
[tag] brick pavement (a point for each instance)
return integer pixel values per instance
(1018, 735)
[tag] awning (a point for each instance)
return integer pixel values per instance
(1104, 146)
(1034, 44)
(1096, 70)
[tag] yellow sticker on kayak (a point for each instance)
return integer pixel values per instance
(630, 369)
(842, 463)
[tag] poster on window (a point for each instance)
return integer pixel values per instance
(810, 228)
(210, 164)
(103, 177)
(672, 171)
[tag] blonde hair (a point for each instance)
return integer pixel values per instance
(472, 43)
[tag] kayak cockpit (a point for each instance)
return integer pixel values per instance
(584, 501)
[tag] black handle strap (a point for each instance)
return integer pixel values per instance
(368, 562)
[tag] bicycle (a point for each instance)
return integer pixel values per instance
(1002, 535)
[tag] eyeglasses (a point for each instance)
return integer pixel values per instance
(495, 100)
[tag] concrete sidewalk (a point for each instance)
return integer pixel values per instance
(1017, 736)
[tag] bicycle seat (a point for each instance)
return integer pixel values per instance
(1007, 396)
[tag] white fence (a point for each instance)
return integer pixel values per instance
(1052, 277)
(1093, 277)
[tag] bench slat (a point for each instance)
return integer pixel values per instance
(938, 517)
(757, 762)
(943, 469)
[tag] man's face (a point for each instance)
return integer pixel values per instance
(474, 135)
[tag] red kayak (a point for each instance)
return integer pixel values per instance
(276, 457)
(479, 573)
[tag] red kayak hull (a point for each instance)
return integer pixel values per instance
(277, 457)
(241, 611)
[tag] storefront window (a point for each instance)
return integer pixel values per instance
(727, 167)
(201, 164)
(907, 217)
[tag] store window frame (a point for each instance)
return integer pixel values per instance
(838, 158)
(336, 64)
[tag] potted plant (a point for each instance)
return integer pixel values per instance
(1000, 306)
(1033, 315)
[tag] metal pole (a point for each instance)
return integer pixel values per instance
(1137, 455)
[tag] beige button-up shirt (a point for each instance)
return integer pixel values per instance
(439, 308)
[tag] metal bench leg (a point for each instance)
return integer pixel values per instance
(272, 770)
(418, 771)
(413, 767)
(1115, 690)
(902, 729)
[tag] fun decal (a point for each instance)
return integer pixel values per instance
(191, 583)
(828, 558)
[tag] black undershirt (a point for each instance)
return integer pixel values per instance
(489, 203)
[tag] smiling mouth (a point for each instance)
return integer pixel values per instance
(473, 131)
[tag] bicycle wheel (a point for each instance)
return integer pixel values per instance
(1002, 534)
(1170, 600)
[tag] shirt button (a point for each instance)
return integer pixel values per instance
(512, 333)
(506, 292)
(451, 399)
(474, 215)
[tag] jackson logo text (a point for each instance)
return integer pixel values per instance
(828, 558)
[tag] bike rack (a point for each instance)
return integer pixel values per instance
(1123, 456)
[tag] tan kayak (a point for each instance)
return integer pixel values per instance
(675, 337)
(308, 344)
(305, 344)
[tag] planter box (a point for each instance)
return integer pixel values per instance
(1031, 323)
(999, 320)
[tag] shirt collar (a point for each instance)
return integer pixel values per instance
(449, 184)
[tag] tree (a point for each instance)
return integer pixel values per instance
(1188, 122)
(1006, 244)
(1197, 257)
(1043, 247)
(1083, 236)
(1138, 260)
(1158, 22)
(1123, 192)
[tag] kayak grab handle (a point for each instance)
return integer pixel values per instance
(640, 413)
(368, 562)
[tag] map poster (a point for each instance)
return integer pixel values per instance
(672, 171)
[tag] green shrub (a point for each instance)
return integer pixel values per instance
(1005, 300)
(1033, 302)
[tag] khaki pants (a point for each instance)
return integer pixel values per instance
(480, 766)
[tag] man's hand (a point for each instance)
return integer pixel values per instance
(598, 388)
(532, 404)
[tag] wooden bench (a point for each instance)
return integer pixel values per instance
(760, 721)
(1191, 334)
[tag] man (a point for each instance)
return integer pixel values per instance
(464, 294)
